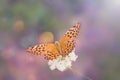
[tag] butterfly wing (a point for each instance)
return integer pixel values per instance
(49, 50)
(67, 42)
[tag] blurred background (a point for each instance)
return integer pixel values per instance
(30, 22)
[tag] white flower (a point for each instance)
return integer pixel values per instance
(72, 56)
(62, 63)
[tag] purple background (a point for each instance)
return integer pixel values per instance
(23, 22)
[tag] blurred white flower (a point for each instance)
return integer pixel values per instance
(63, 63)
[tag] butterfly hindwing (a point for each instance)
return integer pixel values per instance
(49, 50)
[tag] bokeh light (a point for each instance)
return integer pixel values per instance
(18, 25)
(46, 37)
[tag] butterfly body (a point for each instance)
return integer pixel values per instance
(61, 47)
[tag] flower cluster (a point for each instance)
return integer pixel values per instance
(63, 63)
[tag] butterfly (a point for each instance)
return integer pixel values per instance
(61, 47)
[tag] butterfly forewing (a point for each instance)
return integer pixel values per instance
(67, 42)
(49, 50)
(37, 49)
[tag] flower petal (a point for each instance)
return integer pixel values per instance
(62, 63)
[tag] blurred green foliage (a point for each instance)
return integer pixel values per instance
(32, 12)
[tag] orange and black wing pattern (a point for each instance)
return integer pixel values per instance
(67, 42)
(49, 50)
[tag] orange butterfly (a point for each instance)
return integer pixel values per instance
(62, 47)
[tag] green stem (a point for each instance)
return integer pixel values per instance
(75, 72)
